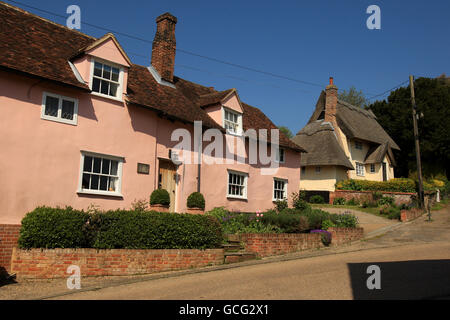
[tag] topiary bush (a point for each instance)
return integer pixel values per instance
(196, 200)
(46, 227)
(122, 229)
(160, 196)
(316, 199)
(344, 220)
(393, 185)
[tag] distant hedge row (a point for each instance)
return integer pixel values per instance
(47, 227)
(393, 185)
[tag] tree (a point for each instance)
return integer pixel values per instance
(395, 116)
(353, 97)
(287, 132)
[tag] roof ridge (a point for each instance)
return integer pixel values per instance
(355, 108)
(45, 20)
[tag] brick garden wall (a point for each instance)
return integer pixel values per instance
(53, 263)
(399, 197)
(344, 235)
(9, 234)
(408, 215)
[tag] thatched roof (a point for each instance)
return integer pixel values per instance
(355, 122)
(320, 141)
(376, 154)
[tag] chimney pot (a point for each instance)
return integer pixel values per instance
(331, 81)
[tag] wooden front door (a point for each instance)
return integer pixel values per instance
(384, 171)
(168, 180)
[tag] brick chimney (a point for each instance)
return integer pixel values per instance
(331, 103)
(164, 45)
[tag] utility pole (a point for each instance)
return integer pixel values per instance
(416, 140)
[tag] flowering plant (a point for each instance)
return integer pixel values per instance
(326, 236)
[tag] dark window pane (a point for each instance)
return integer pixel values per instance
(87, 164)
(96, 85)
(106, 72)
(113, 89)
(105, 87)
(115, 74)
(105, 166)
(85, 183)
(103, 183)
(98, 69)
(94, 182)
(51, 106)
(97, 162)
(68, 108)
(112, 184)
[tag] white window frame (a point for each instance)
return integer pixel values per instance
(358, 145)
(372, 168)
(120, 160)
(245, 185)
(277, 156)
(110, 64)
(285, 181)
(239, 121)
(318, 169)
(58, 118)
(360, 169)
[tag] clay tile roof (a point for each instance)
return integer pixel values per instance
(38, 47)
(320, 141)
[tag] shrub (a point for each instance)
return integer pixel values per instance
(353, 202)
(196, 200)
(298, 201)
(50, 228)
(386, 201)
(157, 230)
(280, 205)
(315, 217)
(139, 205)
(394, 213)
(393, 185)
(377, 195)
(286, 222)
(344, 220)
(327, 224)
(369, 204)
(339, 201)
(160, 196)
(316, 199)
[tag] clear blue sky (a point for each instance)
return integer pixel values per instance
(304, 40)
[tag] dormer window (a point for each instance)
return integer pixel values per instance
(358, 145)
(107, 79)
(232, 121)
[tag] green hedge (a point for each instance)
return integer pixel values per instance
(67, 228)
(50, 228)
(393, 185)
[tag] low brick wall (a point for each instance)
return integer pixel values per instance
(408, 215)
(9, 235)
(399, 197)
(345, 235)
(271, 244)
(53, 263)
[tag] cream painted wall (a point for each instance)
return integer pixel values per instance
(325, 180)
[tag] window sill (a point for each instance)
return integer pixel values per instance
(106, 96)
(55, 119)
(100, 193)
(236, 198)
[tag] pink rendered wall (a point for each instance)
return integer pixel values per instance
(233, 103)
(109, 51)
(40, 159)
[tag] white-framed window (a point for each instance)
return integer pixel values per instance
(372, 168)
(106, 79)
(100, 174)
(279, 189)
(237, 185)
(318, 169)
(280, 156)
(232, 121)
(359, 169)
(59, 108)
(358, 145)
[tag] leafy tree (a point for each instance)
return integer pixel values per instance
(433, 109)
(288, 133)
(353, 97)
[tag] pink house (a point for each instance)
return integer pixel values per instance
(81, 125)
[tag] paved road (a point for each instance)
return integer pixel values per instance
(414, 260)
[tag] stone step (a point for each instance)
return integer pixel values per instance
(233, 257)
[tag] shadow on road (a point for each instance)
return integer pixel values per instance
(419, 279)
(5, 278)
